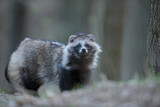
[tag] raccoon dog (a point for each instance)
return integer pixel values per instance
(38, 62)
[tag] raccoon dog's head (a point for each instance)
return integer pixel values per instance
(82, 46)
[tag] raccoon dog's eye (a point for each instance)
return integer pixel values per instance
(88, 46)
(77, 47)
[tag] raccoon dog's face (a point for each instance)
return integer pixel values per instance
(83, 46)
(81, 49)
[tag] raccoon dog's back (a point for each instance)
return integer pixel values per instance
(33, 63)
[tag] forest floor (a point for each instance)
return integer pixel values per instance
(104, 94)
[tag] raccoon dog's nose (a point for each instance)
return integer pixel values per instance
(83, 50)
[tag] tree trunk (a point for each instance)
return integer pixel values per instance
(134, 39)
(15, 24)
(106, 24)
(154, 36)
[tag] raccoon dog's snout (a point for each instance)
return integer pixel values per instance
(83, 51)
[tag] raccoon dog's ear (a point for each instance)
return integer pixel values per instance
(91, 37)
(71, 38)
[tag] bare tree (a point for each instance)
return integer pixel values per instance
(134, 39)
(154, 36)
(16, 21)
(103, 20)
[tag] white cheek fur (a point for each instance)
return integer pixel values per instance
(66, 54)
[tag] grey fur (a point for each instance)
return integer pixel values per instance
(42, 62)
(38, 58)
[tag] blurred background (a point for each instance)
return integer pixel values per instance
(120, 27)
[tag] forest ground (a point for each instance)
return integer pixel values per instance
(104, 94)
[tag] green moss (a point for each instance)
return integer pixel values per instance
(157, 77)
(78, 86)
(72, 105)
(3, 104)
(2, 91)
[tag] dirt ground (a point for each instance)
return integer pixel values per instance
(109, 94)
